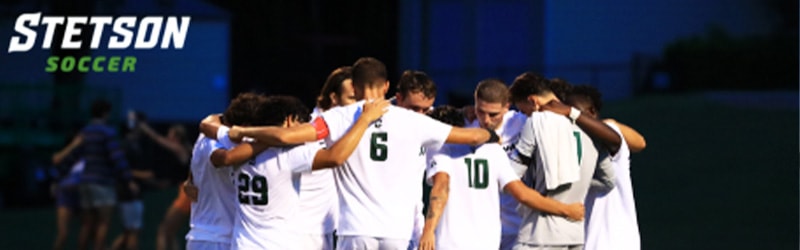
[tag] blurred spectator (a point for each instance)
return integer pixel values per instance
(105, 166)
(175, 142)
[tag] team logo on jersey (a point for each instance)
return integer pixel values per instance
(379, 123)
(146, 33)
(422, 151)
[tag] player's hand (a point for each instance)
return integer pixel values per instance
(235, 134)
(427, 241)
(375, 109)
(556, 107)
(190, 190)
(575, 211)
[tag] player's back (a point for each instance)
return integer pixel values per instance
(471, 219)
(509, 131)
(611, 215)
(379, 183)
(268, 198)
(547, 229)
(213, 214)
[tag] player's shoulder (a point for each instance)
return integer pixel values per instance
(514, 118)
(343, 111)
(491, 148)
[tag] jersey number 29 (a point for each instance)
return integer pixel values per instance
(249, 186)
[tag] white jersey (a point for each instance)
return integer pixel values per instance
(508, 131)
(318, 203)
(269, 197)
(379, 183)
(477, 176)
(213, 214)
(611, 217)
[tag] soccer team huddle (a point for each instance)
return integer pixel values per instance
(270, 174)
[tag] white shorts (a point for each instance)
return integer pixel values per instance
(206, 245)
(315, 241)
(523, 246)
(371, 243)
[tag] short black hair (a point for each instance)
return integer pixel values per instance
(100, 108)
(448, 114)
(560, 88)
(244, 109)
(413, 81)
(589, 92)
(368, 72)
(279, 107)
(527, 84)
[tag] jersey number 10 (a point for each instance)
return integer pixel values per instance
(257, 185)
(478, 173)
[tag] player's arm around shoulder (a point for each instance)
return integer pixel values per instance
(344, 147)
(438, 200)
(535, 200)
(635, 140)
(472, 136)
(593, 127)
(221, 157)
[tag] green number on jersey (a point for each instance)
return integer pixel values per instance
(580, 148)
(478, 173)
(377, 146)
(257, 184)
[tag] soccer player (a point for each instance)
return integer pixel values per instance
(466, 183)
(416, 92)
(212, 218)
(531, 92)
(491, 112)
(611, 219)
(337, 90)
(316, 216)
(542, 230)
(269, 195)
(378, 184)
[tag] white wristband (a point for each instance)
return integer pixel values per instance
(574, 114)
(222, 137)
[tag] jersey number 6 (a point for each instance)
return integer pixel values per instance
(377, 146)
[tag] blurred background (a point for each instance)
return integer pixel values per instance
(712, 85)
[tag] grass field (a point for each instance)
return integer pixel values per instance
(715, 175)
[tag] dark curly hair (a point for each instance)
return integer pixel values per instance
(448, 114)
(279, 107)
(413, 81)
(243, 109)
(527, 84)
(590, 93)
